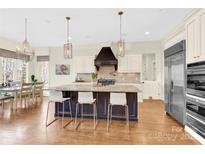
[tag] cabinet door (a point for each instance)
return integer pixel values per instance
(167, 84)
(88, 64)
(202, 36)
(151, 89)
(122, 64)
(191, 37)
(177, 95)
(134, 63)
(84, 64)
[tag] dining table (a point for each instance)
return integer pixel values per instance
(14, 91)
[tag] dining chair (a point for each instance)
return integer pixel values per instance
(25, 94)
(37, 92)
(6, 99)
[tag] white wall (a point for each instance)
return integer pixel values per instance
(56, 57)
(7, 44)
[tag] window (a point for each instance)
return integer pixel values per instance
(43, 72)
(12, 69)
(43, 69)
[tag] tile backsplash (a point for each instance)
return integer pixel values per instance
(108, 72)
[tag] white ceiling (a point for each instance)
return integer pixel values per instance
(47, 27)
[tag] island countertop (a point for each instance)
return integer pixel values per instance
(94, 88)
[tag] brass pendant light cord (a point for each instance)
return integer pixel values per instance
(120, 14)
(67, 18)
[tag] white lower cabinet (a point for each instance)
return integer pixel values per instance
(140, 94)
(151, 89)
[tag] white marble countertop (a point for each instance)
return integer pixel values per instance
(93, 88)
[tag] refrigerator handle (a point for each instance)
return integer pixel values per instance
(172, 86)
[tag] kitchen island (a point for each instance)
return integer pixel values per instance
(102, 96)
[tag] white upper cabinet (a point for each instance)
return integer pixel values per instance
(130, 63)
(84, 64)
(122, 64)
(202, 36)
(195, 36)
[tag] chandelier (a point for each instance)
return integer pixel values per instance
(120, 43)
(68, 45)
(25, 47)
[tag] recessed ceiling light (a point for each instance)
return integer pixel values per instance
(70, 38)
(147, 33)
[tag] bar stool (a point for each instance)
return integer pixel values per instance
(57, 96)
(86, 98)
(117, 99)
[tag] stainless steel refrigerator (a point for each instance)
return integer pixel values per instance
(174, 82)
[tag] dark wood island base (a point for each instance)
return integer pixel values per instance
(102, 101)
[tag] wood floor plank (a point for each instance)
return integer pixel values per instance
(154, 127)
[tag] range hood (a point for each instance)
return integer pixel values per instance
(106, 57)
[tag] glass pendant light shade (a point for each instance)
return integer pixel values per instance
(121, 48)
(68, 50)
(68, 46)
(120, 43)
(25, 47)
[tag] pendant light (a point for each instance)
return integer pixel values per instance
(68, 46)
(120, 43)
(25, 47)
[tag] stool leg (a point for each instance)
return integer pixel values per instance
(81, 111)
(76, 113)
(108, 117)
(94, 115)
(70, 110)
(110, 114)
(127, 111)
(63, 114)
(47, 113)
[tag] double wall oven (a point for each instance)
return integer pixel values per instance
(195, 97)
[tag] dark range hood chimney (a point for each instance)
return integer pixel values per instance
(106, 57)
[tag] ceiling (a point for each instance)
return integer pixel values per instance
(47, 27)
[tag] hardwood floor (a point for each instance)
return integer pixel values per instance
(154, 127)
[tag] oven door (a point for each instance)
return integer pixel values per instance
(196, 106)
(196, 124)
(196, 82)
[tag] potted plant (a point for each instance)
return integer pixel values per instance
(94, 78)
(33, 80)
